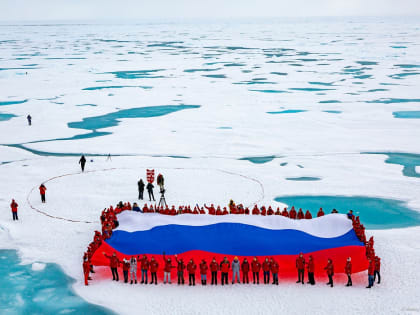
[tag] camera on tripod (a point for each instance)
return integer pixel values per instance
(161, 183)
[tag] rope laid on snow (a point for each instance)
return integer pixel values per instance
(114, 168)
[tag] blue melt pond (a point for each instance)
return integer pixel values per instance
(407, 114)
(375, 213)
(333, 111)
(409, 161)
(259, 159)
(269, 91)
(48, 291)
(4, 117)
(137, 74)
(288, 111)
(111, 119)
(304, 178)
(12, 102)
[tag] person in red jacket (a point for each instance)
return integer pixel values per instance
(256, 267)
(203, 271)
(274, 267)
(255, 210)
(154, 265)
(218, 211)
(377, 271)
(347, 270)
(211, 209)
(245, 271)
(284, 213)
(330, 272)
(277, 211)
(14, 207)
(311, 270)
(114, 263)
(224, 268)
(214, 266)
(320, 213)
(308, 215)
(225, 212)
(180, 270)
(300, 214)
(270, 211)
(167, 269)
(266, 271)
(191, 268)
(263, 210)
(371, 273)
(300, 266)
(86, 269)
(292, 213)
(126, 268)
(42, 190)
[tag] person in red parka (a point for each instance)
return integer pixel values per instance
(245, 271)
(292, 213)
(347, 270)
(86, 269)
(214, 266)
(224, 268)
(167, 269)
(377, 271)
(284, 213)
(270, 211)
(311, 270)
(203, 271)
(320, 213)
(263, 210)
(114, 263)
(330, 272)
(180, 270)
(256, 267)
(126, 269)
(191, 268)
(300, 266)
(255, 210)
(154, 265)
(371, 273)
(274, 267)
(300, 214)
(42, 190)
(308, 215)
(266, 271)
(14, 207)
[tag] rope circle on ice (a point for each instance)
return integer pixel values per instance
(113, 169)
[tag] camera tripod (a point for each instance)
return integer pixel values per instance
(162, 201)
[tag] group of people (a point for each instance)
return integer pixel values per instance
(269, 266)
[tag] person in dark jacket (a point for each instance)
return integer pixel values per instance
(140, 185)
(82, 162)
(149, 188)
(29, 118)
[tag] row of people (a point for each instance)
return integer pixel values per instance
(269, 268)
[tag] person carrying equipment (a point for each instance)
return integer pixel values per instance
(140, 185)
(149, 188)
(14, 207)
(82, 162)
(42, 190)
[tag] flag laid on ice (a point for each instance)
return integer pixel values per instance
(205, 236)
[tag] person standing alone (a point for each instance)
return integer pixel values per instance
(29, 118)
(82, 162)
(42, 190)
(14, 207)
(140, 184)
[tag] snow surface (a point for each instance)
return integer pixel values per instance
(38, 266)
(312, 143)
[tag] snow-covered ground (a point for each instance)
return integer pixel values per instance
(356, 64)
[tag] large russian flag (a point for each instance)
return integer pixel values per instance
(205, 236)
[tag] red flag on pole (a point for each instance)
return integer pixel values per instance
(150, 174)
